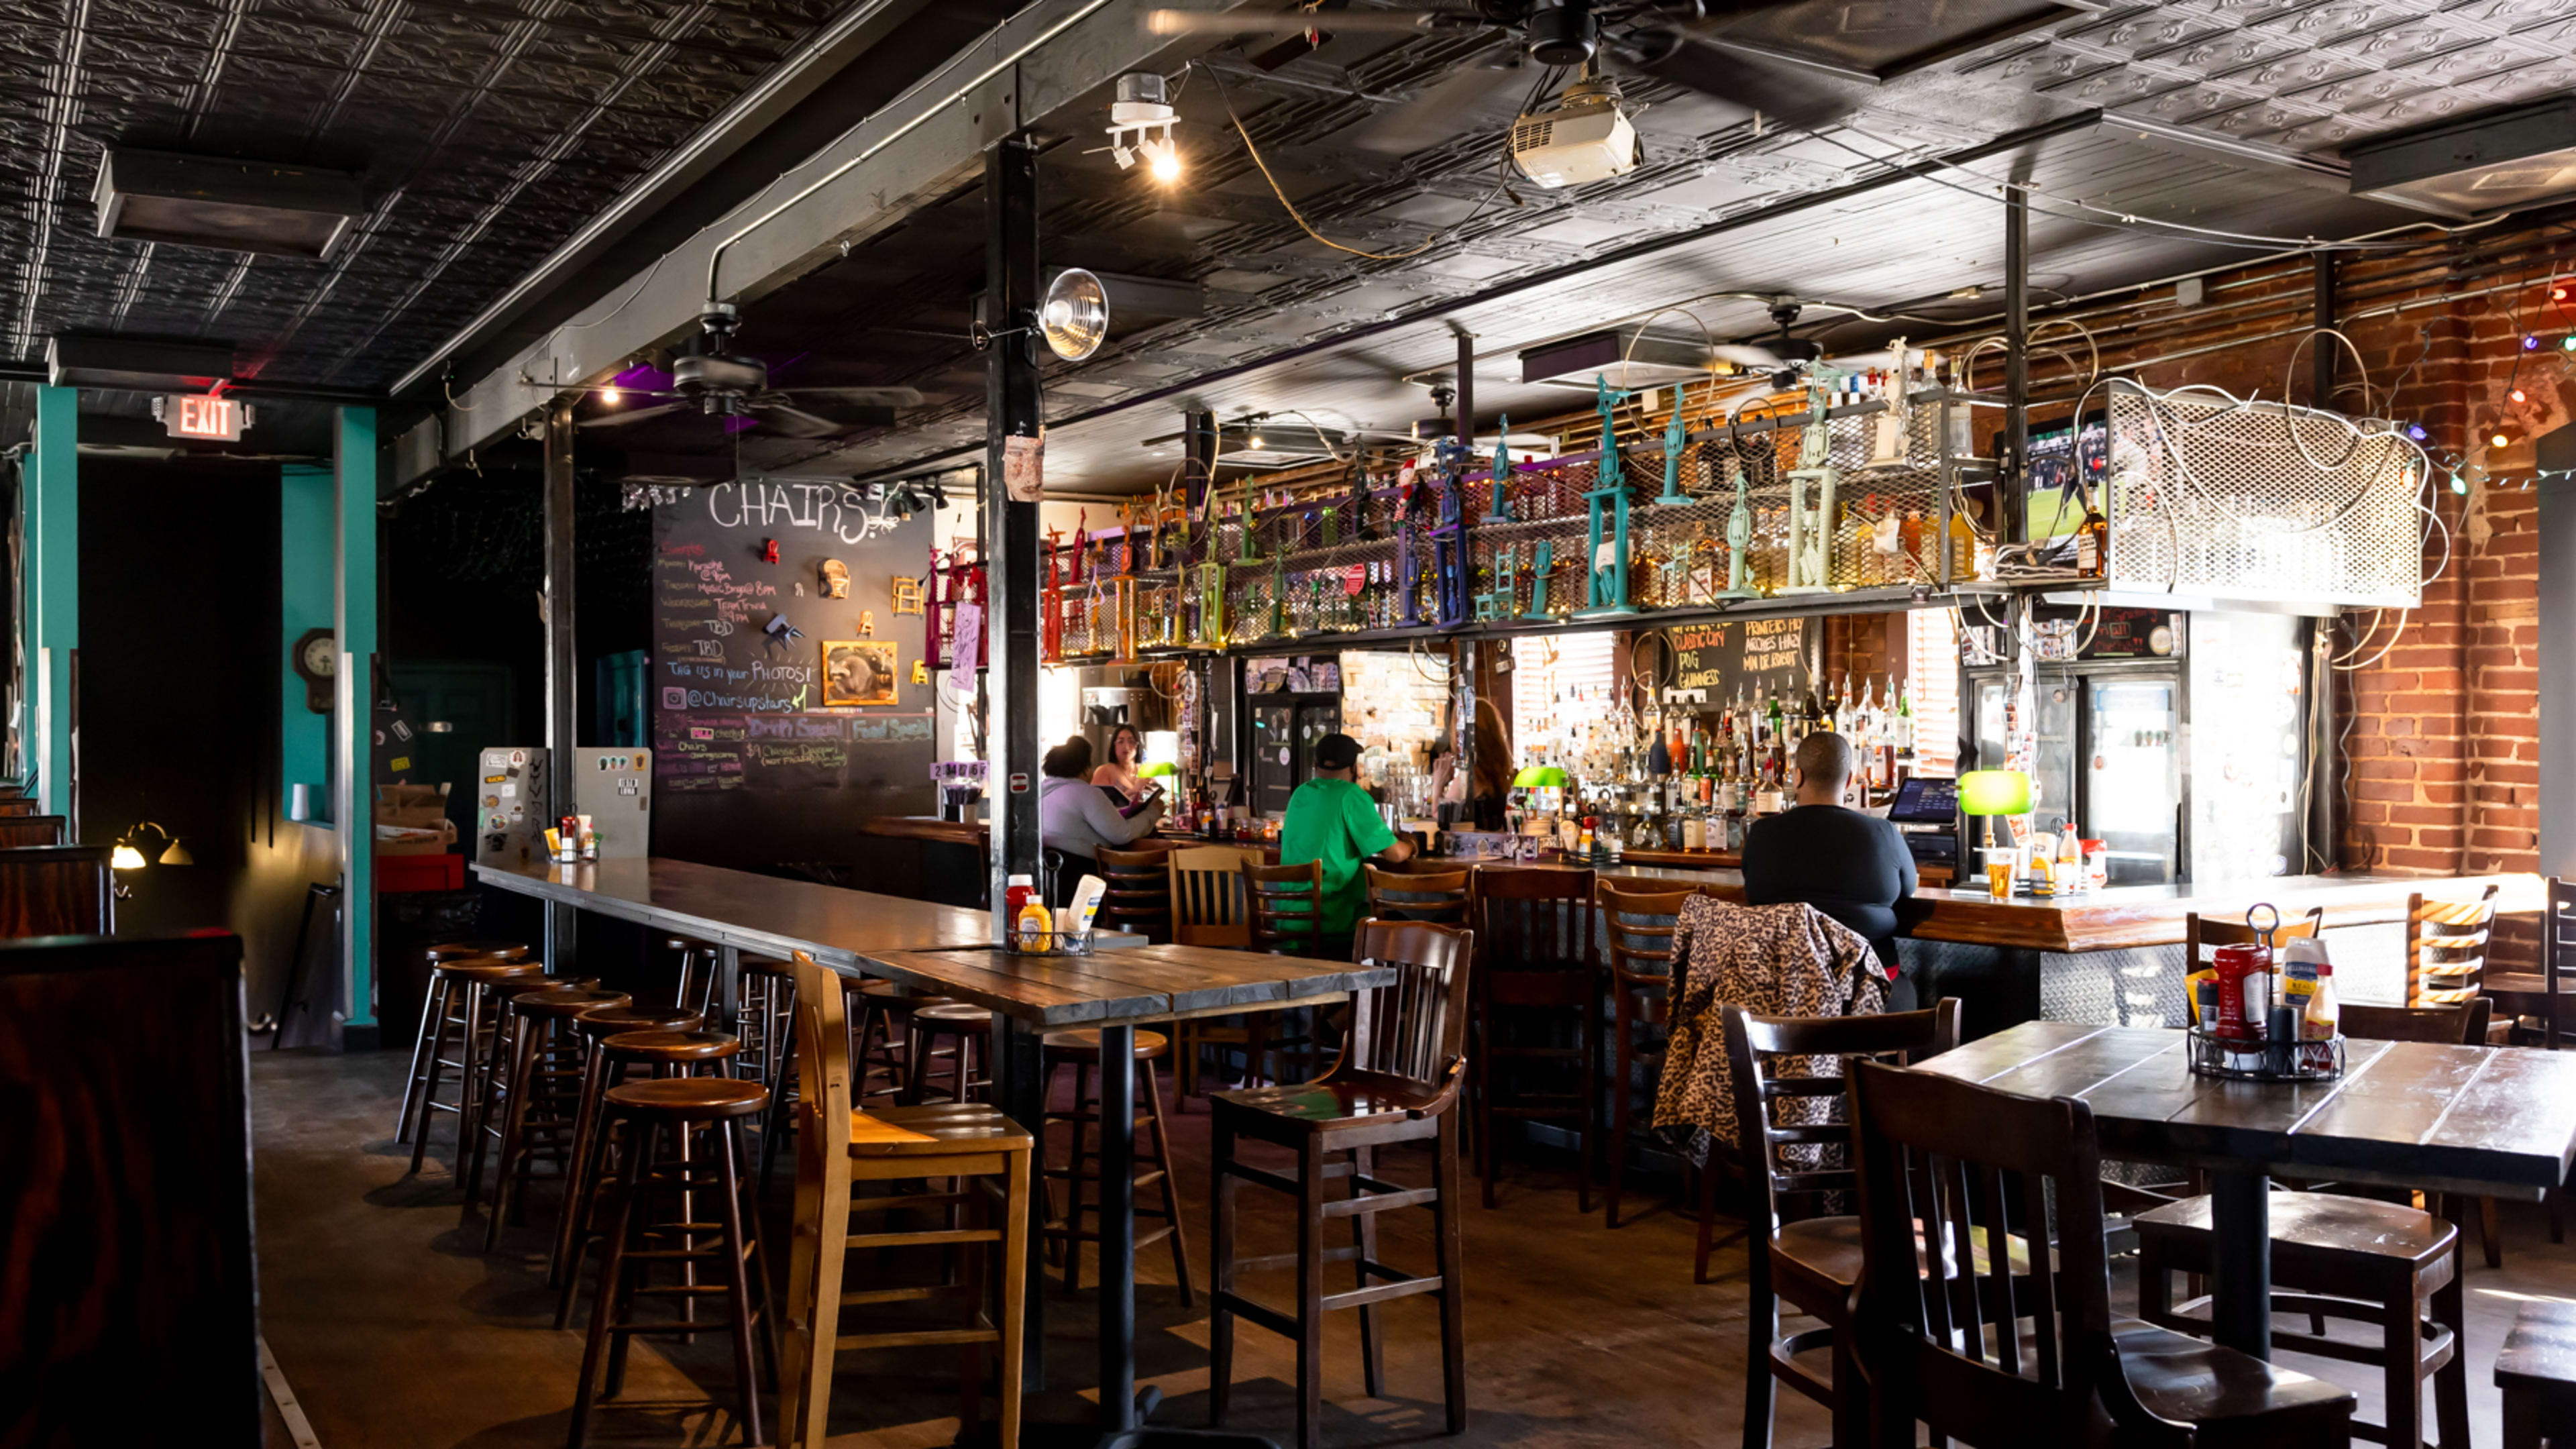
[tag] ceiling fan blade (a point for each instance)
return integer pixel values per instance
(619, 420)
(884, 397)
(1779, 90)
(795, 422)
(1293, 22)
(1885, 357)
(1762, 358)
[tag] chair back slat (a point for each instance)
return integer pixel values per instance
(2446, 947)
(1207, 897)
(1641, 925)
(1139, 894)
(1998, 1347)
(1780, 1157)
(823, 1056)
(2450, 1023)
(1287, 904)
(1415, 895)
(1415, 1028)
(1535, 918)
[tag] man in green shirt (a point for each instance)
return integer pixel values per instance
(1332, 820)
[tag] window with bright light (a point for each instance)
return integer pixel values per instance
(1559, 684)
(1932, 678)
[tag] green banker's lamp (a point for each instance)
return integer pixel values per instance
(1159, 767)
(1994, 792)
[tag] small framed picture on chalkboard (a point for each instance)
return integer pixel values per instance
(858, 672)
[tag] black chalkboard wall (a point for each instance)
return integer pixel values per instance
(1755, 656)
(759, 759)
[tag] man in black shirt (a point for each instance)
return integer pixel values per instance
(1853, 867)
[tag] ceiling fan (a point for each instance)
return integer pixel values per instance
(714, 381)
(1680, 41)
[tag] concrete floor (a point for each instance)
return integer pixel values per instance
(395, 1329)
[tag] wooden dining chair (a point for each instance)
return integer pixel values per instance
(1542, 964)
(1139, 898)
(1209, 909)
(1398, 894)
(1287, 912)
(2349, 1257)
(1397, 1080)
(2540, 998)
(2446, 947)
(2010, 1349)
(57, 890)
(1790, 1156)
(986, 1158)
(23, 830)
(1640, 926)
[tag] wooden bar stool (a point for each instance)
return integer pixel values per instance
(767, 999)
(422, 1050)
(965, 1027)
(594, 1026)
(1139, 898)
(880, 1015)
(1397, 1080)
(677, 1108)
(1288, 910)
(695, 987)
(663, 1052)
(1640, 925)
(1542, 962)
(2537, 1374)
(544, 1096)
(1064, 1232)
(1206, 887)
(1419, 895)
(463, 998)
(838, 1146)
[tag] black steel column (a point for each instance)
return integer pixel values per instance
(2323, 362)
(1117, 1227)
(1012, 409)
(562, 664)
(2012, 463)
(1466, 389)
(2240, 1314)
(1198, 456)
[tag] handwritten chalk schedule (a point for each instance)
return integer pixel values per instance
(738, 665)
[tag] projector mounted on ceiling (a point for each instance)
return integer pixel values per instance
(1584, 136)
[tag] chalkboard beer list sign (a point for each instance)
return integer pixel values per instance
(1754, 656)
(761, 589)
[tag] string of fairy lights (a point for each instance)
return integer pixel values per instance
(2464, 469)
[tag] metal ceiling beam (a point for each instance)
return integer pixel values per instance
(918, 149)
(797, 77)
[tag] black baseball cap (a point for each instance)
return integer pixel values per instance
(1337, 752)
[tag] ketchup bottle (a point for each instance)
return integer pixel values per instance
(2241, 1019)
(1016, 895)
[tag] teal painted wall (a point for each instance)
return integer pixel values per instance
(53, 587)
(353, 812)
(307, 543)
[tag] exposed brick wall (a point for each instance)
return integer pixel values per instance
(2443, 722)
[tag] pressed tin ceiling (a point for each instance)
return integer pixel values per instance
(486, 131)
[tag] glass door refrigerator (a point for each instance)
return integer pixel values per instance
(2186, 762)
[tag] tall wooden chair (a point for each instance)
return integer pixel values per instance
(2005, 1349)
(24, 830)
(1541, 960)
(1139, 898)
(57, 890)
(1811, 1261)
(1396, 894)
(2335, 1255)
(2540, 998)
(1209, 909)
(1397, 1081)
(1288, 909)
(1640, 926)
(836, 1147)
(2446, 947)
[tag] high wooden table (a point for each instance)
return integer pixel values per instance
(947, 950)
(2494, 1121)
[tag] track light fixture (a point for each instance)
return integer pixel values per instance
(1140, 125)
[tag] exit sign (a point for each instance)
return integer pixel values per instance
(211, 419)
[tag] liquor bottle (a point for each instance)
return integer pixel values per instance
(1904, 720)
(2092, 541)
(1814, 717)
(1833, 700)
(1779, 718)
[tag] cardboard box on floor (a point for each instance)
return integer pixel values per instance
(412, 820)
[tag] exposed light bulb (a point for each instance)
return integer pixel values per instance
(1256, 440)
(2518, 396)
(2501, 441)
(2567, 343)
(1166, 162)
(610, 395)
(2530, 344)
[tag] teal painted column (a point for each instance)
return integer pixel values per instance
(53, 592)
(307, 598)
(353, 512)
